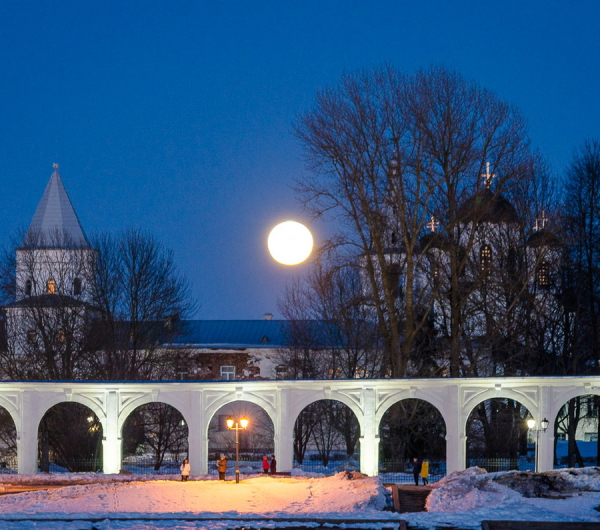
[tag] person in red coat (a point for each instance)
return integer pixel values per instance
(265, 464)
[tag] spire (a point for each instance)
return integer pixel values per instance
(55, 223)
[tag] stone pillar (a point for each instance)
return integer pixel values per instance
(27, 435)
(369, 440)
(112, 449)
(197, 435)
(456, 438)
(545, 440)
(284, 427)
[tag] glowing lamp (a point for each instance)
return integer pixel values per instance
(244, 422)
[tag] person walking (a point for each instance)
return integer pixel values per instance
(416, 470)
(273, 464)
(222, 467)
(185, 470)
(425, 472)
(265, 464)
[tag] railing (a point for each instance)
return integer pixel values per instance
(492, 465)
(398, 472)
(333, 466)
(145, 465)
(9, 464)
(79, 465)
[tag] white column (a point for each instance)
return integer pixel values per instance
(369, 439)
(197, 435)
(284, 427)
(27, 436)
(112, 450)
(545, 440)
(456, 438)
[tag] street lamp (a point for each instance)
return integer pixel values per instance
(235, 426)
(543, 426)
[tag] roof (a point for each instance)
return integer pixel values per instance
(487, 207)
(543, 238)
(55, 223)
(234, 334)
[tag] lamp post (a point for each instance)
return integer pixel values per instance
(233, 425)
(543, 426)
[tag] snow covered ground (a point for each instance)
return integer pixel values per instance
(126, 502)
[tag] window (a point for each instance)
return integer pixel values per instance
(228, 372)
(485, 257)
(51, 287)
(543, 275)
(281, 371)
(31, 337)
(77, 286)
(28, 286)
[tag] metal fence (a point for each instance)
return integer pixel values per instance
(333, 466)
(88, 465)
(146, 465)
(398, 472)
(8, 464)
(492, 465)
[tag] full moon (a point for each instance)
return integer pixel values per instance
(290, 243)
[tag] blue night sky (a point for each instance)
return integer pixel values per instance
(176, 116)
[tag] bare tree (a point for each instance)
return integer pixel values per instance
(330, 329)
(389, 151)
(141, 298)
(158, 427)
(582, 219)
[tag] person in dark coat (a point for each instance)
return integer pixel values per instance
(416, 470)
(273, 464)
(222, 467)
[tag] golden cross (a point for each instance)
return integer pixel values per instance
(433, 224)
(540, 222)
(487, 175)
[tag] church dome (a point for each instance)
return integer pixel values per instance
(433, 240)
(487, 207)
(543, 238)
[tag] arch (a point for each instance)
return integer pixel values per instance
(497, 435)
(176, 400)
(70, 437)
(51, 400)
(566, 395)
(227, 398)
(255, 441)
(161, 432)
(491, 393)
(325, 429)
(392, 398)
(575, 430)
(306, 398)
(414, 432)
(9, 445)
